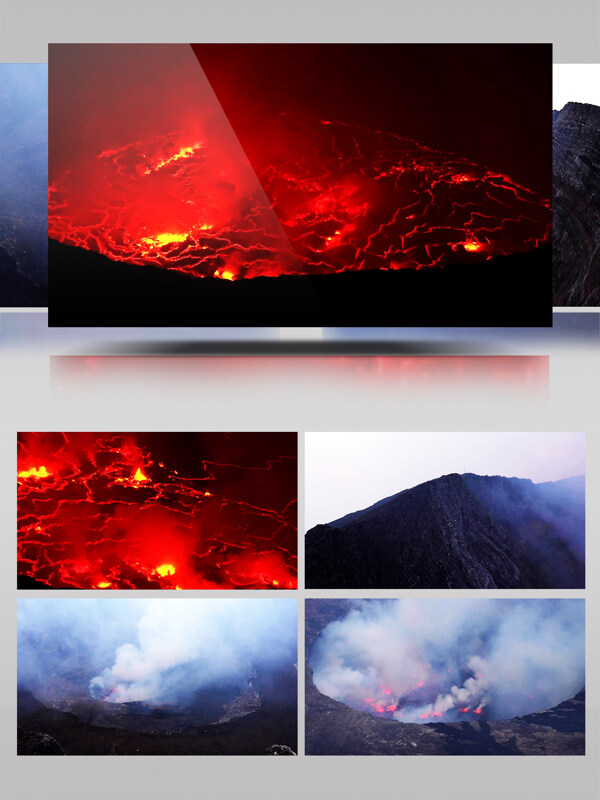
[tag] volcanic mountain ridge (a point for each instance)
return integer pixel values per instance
(457, 531)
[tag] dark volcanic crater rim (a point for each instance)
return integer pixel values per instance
(89, 289)
(43, 730)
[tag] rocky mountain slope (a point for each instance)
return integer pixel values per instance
(576, 179)
(457, 531)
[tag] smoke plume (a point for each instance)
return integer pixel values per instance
(440, 660)
(156, 651)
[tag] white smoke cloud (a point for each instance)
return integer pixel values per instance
(215, 640)
(151, 650)
(422, 660)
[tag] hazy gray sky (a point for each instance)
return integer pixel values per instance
(349, 471)
(576, 82)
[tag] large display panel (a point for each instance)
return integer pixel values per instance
(300, 184)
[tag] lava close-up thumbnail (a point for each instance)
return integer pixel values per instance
(157, 510)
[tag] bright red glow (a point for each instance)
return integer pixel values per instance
(162, 179)
(381, 705)
(133, 511)
(420, 700)
(195, 208)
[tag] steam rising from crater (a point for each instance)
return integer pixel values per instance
(440, 660)
(156, 651)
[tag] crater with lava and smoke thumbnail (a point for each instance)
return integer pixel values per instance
(157, 510)
(459, 677)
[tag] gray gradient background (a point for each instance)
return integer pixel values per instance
(213, 393)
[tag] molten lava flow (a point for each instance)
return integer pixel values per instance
(33, 472)
(165, 238)
(373, 200)
(195, 208)
(226, 274)
(183, 152)
(165, 569)
(133, 511)
(356, 199)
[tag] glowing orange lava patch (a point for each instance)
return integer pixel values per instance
(163, 239)
(165, 569)
(140, 477)
(184, 152)
(34, 472)
(460, 178)
(225, 274)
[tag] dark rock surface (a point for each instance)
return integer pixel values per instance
(457, 531)
(42, 727)
(280, 750)
(31, 743)
(25, 582)
(88, 289)
(248, 699)
(333, 728)
(576, 178)
(17, 289)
